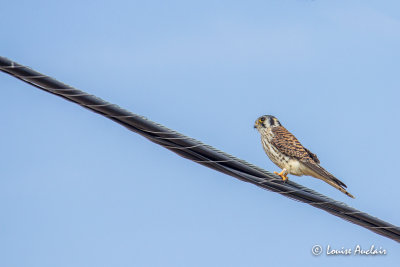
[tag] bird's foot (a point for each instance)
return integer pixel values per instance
(283, 175)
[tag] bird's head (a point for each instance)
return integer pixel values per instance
(266, 121)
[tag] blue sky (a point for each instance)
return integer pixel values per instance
(79, 190)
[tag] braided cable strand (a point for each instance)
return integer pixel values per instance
(198, 152)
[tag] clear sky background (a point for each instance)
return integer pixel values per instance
(77, 189)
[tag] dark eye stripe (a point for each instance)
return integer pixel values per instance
(271, 121)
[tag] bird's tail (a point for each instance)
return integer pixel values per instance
(324, 175)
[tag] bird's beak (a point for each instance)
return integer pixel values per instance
(255, 125)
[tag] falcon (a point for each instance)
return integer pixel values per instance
(290, 155)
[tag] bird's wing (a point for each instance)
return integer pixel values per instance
(322, 172)
(312, 155)
(288, 144)
(324, 175)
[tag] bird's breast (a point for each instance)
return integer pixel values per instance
(292, 165)
(274, 154)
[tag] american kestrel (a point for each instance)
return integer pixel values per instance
(287, 153)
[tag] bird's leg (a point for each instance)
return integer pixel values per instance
(282, 174)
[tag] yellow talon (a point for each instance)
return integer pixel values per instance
(282, 174)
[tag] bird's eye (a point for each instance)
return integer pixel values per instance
(262, 119)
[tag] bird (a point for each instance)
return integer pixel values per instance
(290, 155)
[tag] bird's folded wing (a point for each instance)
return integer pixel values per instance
(288, 144)
(324, 173)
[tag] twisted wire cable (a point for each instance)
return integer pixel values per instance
(198, 152)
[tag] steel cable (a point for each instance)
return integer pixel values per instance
(198, 152)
